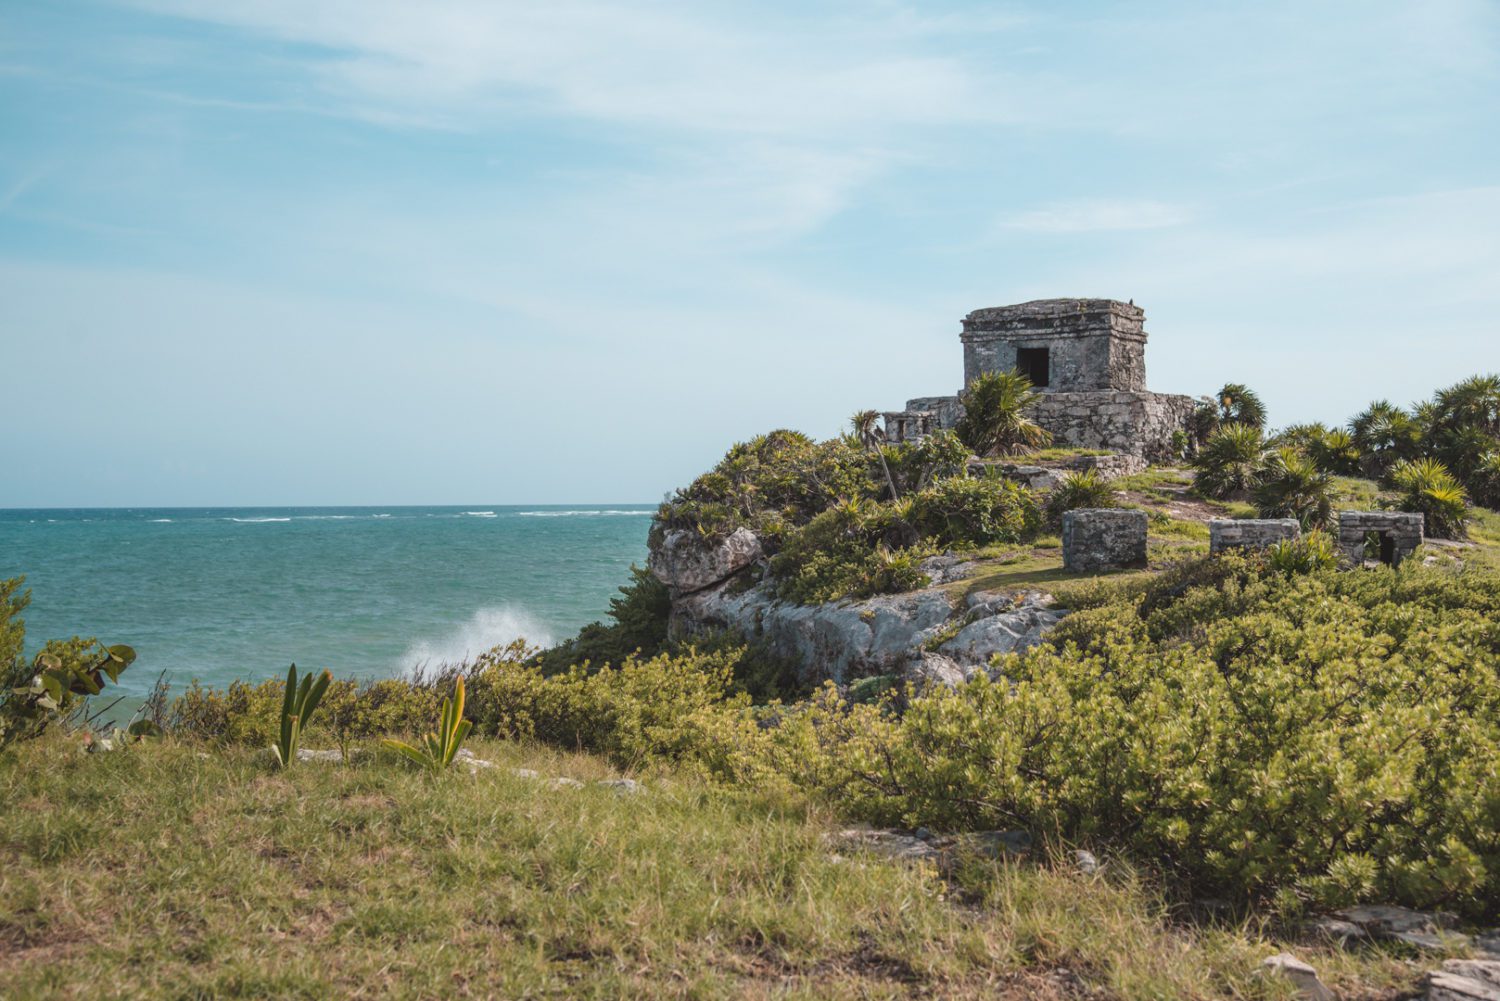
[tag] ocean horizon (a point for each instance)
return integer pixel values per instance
(220, 594)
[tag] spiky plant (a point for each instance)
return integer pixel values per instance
(1474, 402)
(1292, 486)
(438, 749)
(1230, 462)
(297, 705)
(1079, 490)
(996, 418)
(1314, 551)
(1384, 434)
(1239, 404)
(1335, 452)
(1427, 487)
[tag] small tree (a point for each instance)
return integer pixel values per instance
(996, 419)
(871, 438)
(1230, 463)
(1292, 486)
(1239, 404)
(1428, 488)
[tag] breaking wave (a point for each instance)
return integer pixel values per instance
(485, 629)
(255, 521)
(580, 514)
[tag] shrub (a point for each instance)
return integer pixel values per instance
(639, 613)
(1292, 486)
(1327, 735)
(1229, 464)
(1428, 488)
(995, 420)
(1314, 551)
(854, 550)
(1079, 490)
(917, 465)
(1335, 452)
(965, 513)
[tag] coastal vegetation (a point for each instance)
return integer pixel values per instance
(1262, 730)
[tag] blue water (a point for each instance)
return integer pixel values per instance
(225, 593)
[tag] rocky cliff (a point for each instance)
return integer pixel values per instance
(930, 636)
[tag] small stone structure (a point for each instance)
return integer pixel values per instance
(1097, 538)
(1398, 534)
(1088, 359)
(1250, 533)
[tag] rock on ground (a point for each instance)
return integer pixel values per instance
(1302, 976)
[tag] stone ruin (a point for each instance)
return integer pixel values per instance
(1394, 535)
(1096, 538)
(1250, 533)
(1088, 359)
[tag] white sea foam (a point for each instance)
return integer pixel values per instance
(480, 514)
(255, 521)
(485, 629)
(379, 516)
(581, 514)
(161, 521)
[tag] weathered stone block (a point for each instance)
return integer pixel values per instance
(1103, 539)
(1398, 534)
(1250, 533)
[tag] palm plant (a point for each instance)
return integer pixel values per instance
(1079, 490)
(1292, 486)
(297, 704)
(872, 439)
(1239, 404)
(1335, 452)
(438, 749)
(1385, 434)
(1230, 463)
(1427, 487)
(1474, 402)
(996, 419)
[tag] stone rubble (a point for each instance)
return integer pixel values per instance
(1302, 976)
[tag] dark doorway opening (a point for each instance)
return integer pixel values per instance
(1380, 546)
(1036, 365)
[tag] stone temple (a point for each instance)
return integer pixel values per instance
(1088, 359)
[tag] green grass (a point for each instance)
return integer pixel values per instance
(174, 871)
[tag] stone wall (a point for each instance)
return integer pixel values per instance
(1094, 344)
(1103, 539)
(1250, 533)
(1132, 423)
(1401, 534)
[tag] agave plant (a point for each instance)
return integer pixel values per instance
(1292, 486)
(297, 705)
(437, 750)
(1231, 462)
(1428, 488)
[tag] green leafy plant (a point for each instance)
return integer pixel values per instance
(996, 418)
(438, 749)
(1292, 486)
(1314, 551)
(1239, 404)
(297, 708)
(1230, 462)
(1079, 490)
(1428, 488)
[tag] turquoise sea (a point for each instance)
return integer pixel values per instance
(224, 593)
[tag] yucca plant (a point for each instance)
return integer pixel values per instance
(297, 704)
(1230, 462)
(1428, 488)
(1079, 490)
(437, 750)
(997, 415)
(1292, 486)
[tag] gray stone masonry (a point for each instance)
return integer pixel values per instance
(1088, 358)
(1249, 533)
(1103, 539)
(1090, 344)
(1400, 534)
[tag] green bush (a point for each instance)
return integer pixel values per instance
(1313, 551)
(639, 613)
(1329, 736)
(997, 419)
(1239, 404)
(963, 513)
(854, 550)
(1230, 462)
(1429, 489)
(1290, 485)
(1079, 490)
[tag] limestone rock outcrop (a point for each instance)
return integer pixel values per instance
(686, 563)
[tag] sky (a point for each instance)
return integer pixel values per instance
(462, 251)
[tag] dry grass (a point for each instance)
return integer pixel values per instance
(173, 871)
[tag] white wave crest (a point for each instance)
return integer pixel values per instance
(480, 514)
(486, 629)
(161, 521)
(255, 521)
(581, 514)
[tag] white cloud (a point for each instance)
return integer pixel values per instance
(1097, 216)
